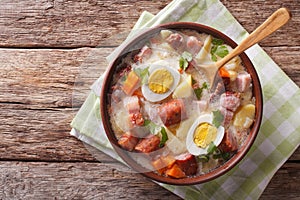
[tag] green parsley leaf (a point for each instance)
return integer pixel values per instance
(222, 51)
(217, 118)
(183, 63)
(187, 55)
(198, 91)
(143, 74)
(205, 85)
(184, 60)
(146, 122)
(216, 41)
(224, 155)
(203, 158)
(193, 81)
(211, 148)
(214, 58)
(164, 137)
(153, 128)
(213, 49)
(218, 49)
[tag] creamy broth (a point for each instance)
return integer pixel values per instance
(161, 102)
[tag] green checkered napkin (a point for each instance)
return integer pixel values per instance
(279, 135)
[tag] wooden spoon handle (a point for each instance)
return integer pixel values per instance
(274, 22)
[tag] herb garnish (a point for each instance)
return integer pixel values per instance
(154, 129)
(198, 91)
(184, 60)
(215, 152)
(217, 118)
(164, 137)
(143, 74)
(218, 49)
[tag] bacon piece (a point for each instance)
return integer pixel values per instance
(172, 112)
(228, 115)
(229, 142)
(148, 144)
(219, 89)
(144, 53)
(132, 104)
(187, 163)
(193, 45)
(243, 81)
(127, 141)
(230, 100)
(136, 118)
(175, 40)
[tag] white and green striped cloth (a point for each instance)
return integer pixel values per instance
(279, 135)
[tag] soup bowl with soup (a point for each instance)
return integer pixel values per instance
(162, 116)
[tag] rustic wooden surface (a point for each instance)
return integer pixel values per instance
(48, 60)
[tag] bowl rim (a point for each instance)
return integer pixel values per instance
(219, 171)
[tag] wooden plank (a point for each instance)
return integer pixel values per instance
(29, 180)
(251, 14)
(49, 78)
(285, 183)
(68, 24)
(61, 78)
(40, 180)
(39, 135)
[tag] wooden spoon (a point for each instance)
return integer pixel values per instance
(274, 22)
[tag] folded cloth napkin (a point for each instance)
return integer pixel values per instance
(279, 134)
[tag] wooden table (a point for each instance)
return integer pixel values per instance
(45, 47)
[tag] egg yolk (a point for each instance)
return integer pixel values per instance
(204, 135)
(160, 81)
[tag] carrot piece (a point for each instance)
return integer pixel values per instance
(224, 73)
(131, 83)
(159, 166)
(138, 93)
(175, 172)
(168, 161)
(163, 163)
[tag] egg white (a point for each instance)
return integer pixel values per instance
(154, 97)
(190, 144)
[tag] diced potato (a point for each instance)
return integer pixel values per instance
(233, 64)
(184, 127)
(175, 145)
(244, 116)
(165, 33)
(204, 54)
(184, 89)
(232, 75)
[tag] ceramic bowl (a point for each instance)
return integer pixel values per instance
(137, 43)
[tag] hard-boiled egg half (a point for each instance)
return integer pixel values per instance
(202, 133)
(162, 81)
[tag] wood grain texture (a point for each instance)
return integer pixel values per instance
(47, 65)
(38, 180)
(73, 180)
(59, 23)
(55, 23)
